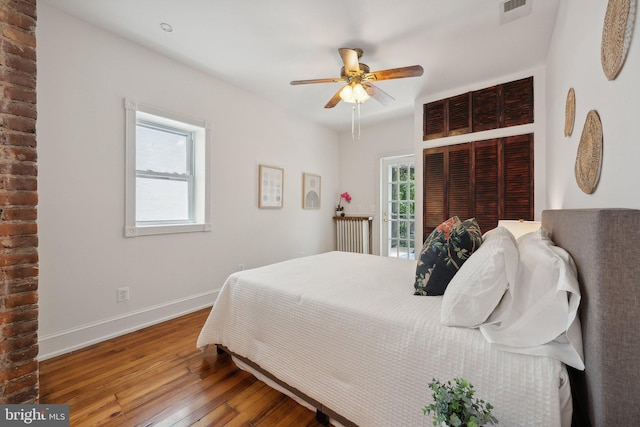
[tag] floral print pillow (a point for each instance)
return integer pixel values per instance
(444, 252)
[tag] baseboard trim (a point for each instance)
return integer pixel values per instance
(83, 336)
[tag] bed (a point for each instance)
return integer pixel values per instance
(342, 334)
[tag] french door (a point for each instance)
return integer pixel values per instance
(398, 207)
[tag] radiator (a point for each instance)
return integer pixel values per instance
(353, 234)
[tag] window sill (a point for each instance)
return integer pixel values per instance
(148, 230)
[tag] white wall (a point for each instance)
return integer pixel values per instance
(360, 165)
(538, 128)
(574, 61)
(83, 75)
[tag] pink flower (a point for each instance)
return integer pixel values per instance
(344, 196)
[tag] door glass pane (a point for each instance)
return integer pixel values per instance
(394, 192)
(403, 173)
(404, 210)
(403, 232)
(403, 191)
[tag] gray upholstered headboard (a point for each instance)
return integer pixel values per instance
(605, 245)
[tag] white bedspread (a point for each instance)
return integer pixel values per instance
(346, 330)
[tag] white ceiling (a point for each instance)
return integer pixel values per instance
(261, 45)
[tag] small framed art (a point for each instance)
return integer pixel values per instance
(311, 191)
(270, 187)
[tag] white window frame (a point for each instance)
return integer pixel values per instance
(200, 202)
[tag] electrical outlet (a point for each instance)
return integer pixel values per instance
(122, 294)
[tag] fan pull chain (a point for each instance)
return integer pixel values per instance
(358, 120)
(353, 119)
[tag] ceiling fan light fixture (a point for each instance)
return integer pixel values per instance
(354, 93)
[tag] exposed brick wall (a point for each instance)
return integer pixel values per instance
(18, 201)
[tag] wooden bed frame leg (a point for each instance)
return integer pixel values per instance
(322, 418)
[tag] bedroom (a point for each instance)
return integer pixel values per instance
(81, 203)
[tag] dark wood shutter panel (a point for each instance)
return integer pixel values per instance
(434, 187)
(485, 104)
(498, 106)
(434, 119)
(517, 98)
(488, 180)
(460, 197)
(459, 114)
(487, 183)
(518, 177)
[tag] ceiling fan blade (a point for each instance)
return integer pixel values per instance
(395, 73)
(306, 82)
(378, 94)
(334, 100)
(350, 59)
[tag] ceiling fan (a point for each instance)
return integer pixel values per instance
(358, 79)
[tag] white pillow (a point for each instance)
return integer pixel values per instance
(540, 310)
(478, 286)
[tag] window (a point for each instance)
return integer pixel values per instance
(166, 172)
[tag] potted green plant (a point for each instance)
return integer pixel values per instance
(454, 405)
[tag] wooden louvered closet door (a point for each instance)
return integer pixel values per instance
(517, 102)
(460, 198)
(485, 109)
(434, 189)
(447, 117)
(499, 106)
(447, 184)
(487, 183)
(488, 180)
(518, 177)
(435, 119)
(459, 114)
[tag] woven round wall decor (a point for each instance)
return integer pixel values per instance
(616, 35)
(589, 157)
(570, 112)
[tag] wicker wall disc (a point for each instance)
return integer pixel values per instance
(589, 157)
(616, 35)
(570, 113)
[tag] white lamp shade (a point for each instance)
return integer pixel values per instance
(354, 93)
(359, 93)
(519, 227)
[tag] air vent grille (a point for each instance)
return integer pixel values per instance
(513, 4)
(511, 10)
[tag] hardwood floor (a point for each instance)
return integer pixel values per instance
(156, 376)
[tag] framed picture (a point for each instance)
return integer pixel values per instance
(270, 187)
(310, 191)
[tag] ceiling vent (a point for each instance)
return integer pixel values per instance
(511, 10)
